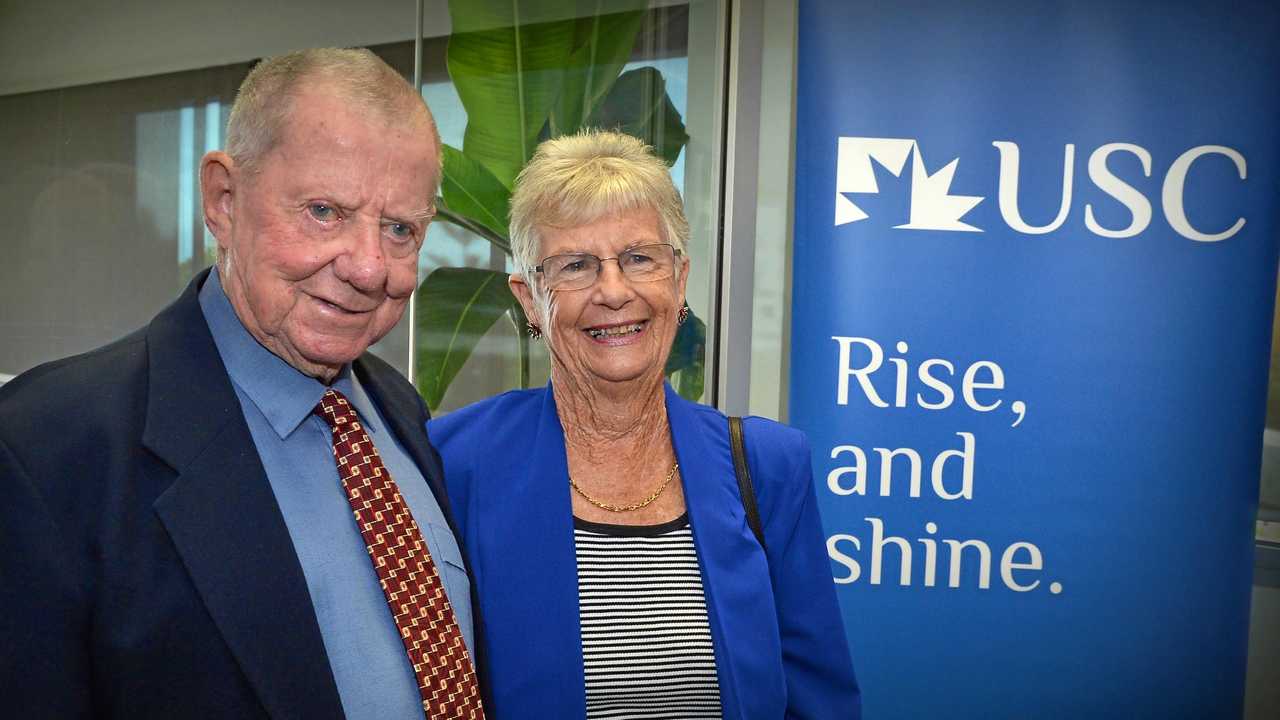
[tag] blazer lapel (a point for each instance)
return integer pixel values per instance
(531, 570)
(732, 561)
(224, 520)
(402, 409)
(404, 412)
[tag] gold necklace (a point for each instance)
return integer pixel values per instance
(626, 508)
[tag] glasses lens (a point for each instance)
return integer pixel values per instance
(570, 272)
(648, 262)
(580, 270)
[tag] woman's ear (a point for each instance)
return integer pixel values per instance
(524, 294)
(684, 279)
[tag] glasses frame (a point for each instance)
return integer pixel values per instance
(675, 256)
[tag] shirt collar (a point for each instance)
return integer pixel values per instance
(284, 396)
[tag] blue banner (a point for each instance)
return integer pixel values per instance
(1034, 272)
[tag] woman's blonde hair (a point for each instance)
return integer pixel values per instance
(577, 179)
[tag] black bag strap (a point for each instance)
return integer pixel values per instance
(740, 468)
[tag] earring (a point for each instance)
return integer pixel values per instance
(683, 315)
(534, 331)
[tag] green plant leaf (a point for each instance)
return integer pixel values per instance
(443, 213)
(603, 44)
(470, 190)
(638, 105)
(508, 74)
(686, 363)
(453, 309)
(523, 71)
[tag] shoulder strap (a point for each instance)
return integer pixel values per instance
(743, 472)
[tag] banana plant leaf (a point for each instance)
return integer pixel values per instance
(603, 43)
(473, 196)
(508, 73)
(638, 105)
(524, 72)
(453, 309)
(686, 364)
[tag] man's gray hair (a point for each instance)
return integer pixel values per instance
(577, 179)
(265, 98)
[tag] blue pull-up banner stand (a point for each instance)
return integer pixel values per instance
(1035, 267)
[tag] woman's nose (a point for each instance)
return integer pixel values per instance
(612, 285)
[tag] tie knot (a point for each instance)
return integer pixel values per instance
(335, 409)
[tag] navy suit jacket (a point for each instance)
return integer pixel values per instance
(779, 641)
(147, 570)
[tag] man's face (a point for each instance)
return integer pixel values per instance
(323, 240)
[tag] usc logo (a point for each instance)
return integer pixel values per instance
(934, 208)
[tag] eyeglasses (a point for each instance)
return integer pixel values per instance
(576, 271)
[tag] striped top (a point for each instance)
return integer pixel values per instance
(646, 642)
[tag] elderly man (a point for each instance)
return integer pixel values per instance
(234, 512)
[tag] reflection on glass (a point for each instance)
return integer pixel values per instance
(168, 146)
(102, 195)
(106, 224)
(102, 200)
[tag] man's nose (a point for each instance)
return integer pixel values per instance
(363, 262)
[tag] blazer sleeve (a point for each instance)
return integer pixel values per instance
(815, 655)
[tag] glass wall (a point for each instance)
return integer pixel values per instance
(101, 134)
(100, 196)
(102, 146)
(469, 340)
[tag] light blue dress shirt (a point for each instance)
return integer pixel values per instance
(369, 662)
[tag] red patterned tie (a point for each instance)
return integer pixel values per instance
(446, 677)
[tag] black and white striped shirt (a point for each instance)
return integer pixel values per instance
(646, 642)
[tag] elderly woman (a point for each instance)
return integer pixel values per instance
(616, 570)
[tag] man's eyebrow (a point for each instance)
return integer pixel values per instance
(419, 215)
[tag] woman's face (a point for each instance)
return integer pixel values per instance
(616, 329)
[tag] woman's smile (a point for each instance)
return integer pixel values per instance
(617, 334)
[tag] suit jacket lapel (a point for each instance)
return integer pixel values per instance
(404, 412)
(224, 520)
(732, 561)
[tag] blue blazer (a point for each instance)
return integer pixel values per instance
(779, 642)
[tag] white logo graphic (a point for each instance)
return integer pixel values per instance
(932, 208)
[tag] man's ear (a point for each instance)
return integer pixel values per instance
(524, 294)
(217, 190)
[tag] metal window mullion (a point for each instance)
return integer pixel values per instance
(417, 84)
(741, 169)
